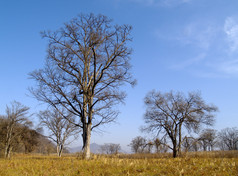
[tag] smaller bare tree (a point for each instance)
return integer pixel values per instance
(157, 145)
(207, 139)
(188, 143)
(16, 115)
(170, 113)
(138, 144)
(228, 139)
(149, 146)
(160, 145)
(60, 127)
(110, 148)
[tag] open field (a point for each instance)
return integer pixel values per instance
(202, 164)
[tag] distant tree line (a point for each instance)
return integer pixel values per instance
(17, 135)
(207, 140)
(170, 115)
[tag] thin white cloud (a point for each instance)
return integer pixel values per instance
(197, 34)
(212, 40)
(209, 74)
(187, 63)
(229, 67)
(231, 30)
(162, 2)
(175, 2)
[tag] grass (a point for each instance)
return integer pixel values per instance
(69, 165)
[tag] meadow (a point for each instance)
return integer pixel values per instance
(197, 164)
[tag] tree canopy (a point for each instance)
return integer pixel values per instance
(168, 113)
(88, 59)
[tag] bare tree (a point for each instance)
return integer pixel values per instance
(160, 145)
(196, 145)
(110, 148)
(228, 139)
(169, 113)
(188, 143)
(207, 139)
(149, 146)
(138, 144)
(60, 128)
(16, 115)
(88, 60)
(157, 145)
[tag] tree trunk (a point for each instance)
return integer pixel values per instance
(7, 151)
(87, 127)
(180, 138)
(86, 141)
(174, 152)
(204, 147)
(175, 148)
(8, 146)
(8, 141)
(59, 149)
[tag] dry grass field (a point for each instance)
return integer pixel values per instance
(210, 164)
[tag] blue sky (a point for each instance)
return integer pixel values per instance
(181, 45)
